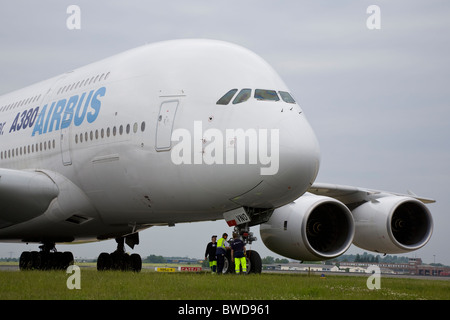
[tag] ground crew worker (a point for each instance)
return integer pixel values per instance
(238, 252)
(222, 247)
(211, 253)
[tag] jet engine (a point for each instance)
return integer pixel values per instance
(32, 198)
(310, 228)
(393, 224)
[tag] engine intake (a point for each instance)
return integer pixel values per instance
(392, 224)
(311, 228)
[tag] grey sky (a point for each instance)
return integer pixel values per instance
(377, 99)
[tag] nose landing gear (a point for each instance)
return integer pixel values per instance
(242, 219)
(253, 259)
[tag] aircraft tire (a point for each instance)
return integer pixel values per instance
(25, 262)
(254, 262)
(135, 262)
(119, 261)
(104, 262)
(228, 265)
(36, 260)
(67, 259)
(45, 260)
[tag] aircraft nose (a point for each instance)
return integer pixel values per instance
(298, 160)
(289, 165)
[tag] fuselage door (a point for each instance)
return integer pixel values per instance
(164, 125)
(65, 144)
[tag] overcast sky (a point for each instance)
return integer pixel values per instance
(378, 100)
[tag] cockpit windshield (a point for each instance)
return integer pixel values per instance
(270, 95)
(259, 94)
(243, 96)
(286, 97)
(227, 97)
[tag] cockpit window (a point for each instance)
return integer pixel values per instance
(269, 95)
(227, 97)
(286, 97)
(242, 96)
(260, 95)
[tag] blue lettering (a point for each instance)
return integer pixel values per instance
(14, 124)
(80, 118)
(57, 115)
(19, 126)
(68, 112)
(27, 119)
(62, 113)
(48, 117)
(39, 121)
(33, 117)
(95, 105)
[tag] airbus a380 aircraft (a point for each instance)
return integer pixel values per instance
(180, 131)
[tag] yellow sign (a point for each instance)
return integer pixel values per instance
(159, 269)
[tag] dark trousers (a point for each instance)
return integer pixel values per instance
(220, 262)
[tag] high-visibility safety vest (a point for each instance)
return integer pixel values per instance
(221, 244)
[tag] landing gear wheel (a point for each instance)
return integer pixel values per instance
(254, 262)
(68, 259)
(25, 262)
(47, 259)
(104, 261)
(242, 231)
(36, 261)
(228, 265)
(119, 260)
(136, 262)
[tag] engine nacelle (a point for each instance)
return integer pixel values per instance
(392, 224)
(71, 204)
(311, 228)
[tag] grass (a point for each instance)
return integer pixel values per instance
(150, 285)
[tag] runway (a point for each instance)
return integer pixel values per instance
(15, 267)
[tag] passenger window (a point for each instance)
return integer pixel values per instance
(227, 97)
(286, 97)
(269, 95)
(242, 96)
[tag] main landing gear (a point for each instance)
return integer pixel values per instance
(119, 259)
(47, 259)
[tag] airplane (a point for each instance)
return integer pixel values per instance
(180, 131)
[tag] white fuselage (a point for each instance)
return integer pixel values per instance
(108, 129)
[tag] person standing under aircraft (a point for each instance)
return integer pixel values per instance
(211, 254)
(238, 252)
(222, 247)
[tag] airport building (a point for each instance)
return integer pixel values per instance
(413, 267)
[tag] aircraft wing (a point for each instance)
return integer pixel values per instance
(353, 196)
(24, 195)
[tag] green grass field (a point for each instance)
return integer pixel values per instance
(148, 284)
